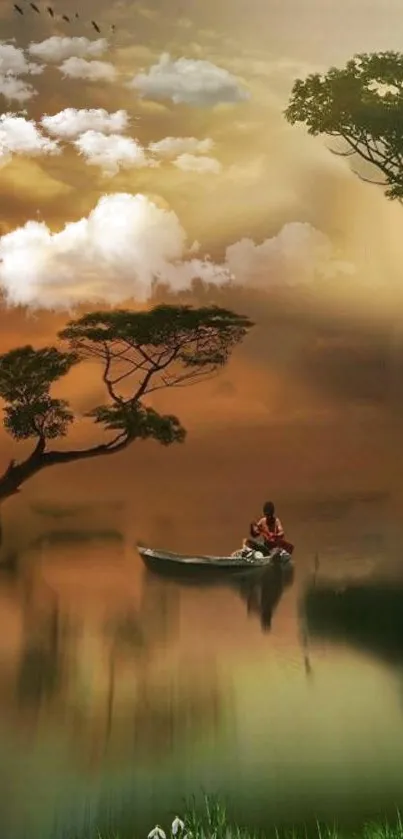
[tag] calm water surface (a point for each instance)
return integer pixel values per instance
(121, 689)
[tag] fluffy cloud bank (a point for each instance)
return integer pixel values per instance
(116, 253)
(189, 81)
(98, 137)
(21, 136)
(14, 64)
(127, 243)
(70, 123)
(16, 90)
(13, 60)
(91, 71)
(56, 49)
(297, 255)
(112, 152)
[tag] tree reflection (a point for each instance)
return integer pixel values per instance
(168, 704)
(367, 616)
(98, 681)
(40, 668)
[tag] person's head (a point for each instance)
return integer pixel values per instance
(269, 510)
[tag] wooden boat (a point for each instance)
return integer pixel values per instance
(172, 564)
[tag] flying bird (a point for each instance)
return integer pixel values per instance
(77, 15)
(35, 8)
(96, 27)
(50, 10)
(67, 19)
(18, 9)
(113, 28)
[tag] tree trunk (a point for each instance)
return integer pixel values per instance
(17, 473)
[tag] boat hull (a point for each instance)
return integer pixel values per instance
(174, 565)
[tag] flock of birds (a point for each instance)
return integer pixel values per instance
(52, 14)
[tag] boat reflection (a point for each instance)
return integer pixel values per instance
(263, 592)
(261, 588)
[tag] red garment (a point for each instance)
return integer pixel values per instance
(270, 532)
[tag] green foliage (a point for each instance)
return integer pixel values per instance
(363, 105)
(198, 337)
(136, 421)
(46, 417)
(212, 822)
(27, 374)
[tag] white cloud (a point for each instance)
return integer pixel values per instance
(13, 64)
(193, 82)
(15, 90)
(21, 136)
(200, 164)
(298, 254)
(70, 123)
(112, 152)
(56, 49)
(91, 71)
(171, 147)
(127, 244)
(13, 60)
(114, 254)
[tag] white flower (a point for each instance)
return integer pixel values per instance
(177, 825)
(156, 833)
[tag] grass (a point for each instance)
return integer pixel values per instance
(212, 822)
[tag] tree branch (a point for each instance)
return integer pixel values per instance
(187, 380)
(18, 473)
(368, 180)
(116, 445)
(355, 145)
(40, 446)
(342, 153)
(143, 388)
(109, 385)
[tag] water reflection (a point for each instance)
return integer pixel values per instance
(96, 667)
(40, 666)
(263, 592)
(116, 682)
(367, 615)
(261, 588)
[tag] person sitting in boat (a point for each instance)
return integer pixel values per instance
(269, 525)
(268, 531)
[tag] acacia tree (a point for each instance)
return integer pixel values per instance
(139, 353)
(361, 106)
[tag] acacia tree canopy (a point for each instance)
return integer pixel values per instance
(138, 352)
(362, 105)
(26, 376)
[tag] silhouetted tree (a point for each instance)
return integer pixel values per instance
(361, 105)
(139, 353)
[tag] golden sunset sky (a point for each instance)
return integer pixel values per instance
(198, 150)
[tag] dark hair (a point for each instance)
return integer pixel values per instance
(269, 509)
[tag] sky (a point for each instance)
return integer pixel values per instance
(161, 149)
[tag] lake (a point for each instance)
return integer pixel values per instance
(122, 691)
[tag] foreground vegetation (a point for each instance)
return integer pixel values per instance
(212, 822)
